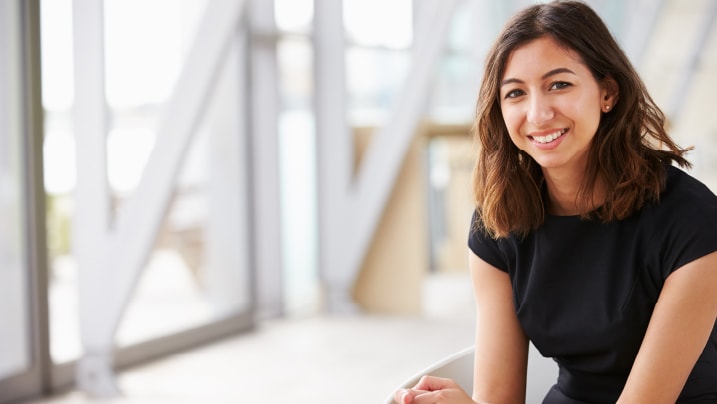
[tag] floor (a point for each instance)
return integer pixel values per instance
(355, 359)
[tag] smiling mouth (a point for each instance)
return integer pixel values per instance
(549, 137)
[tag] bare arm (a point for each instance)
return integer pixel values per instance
(501, 349)
(501, 346)
(680, 326)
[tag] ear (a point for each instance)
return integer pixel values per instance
(609, 94)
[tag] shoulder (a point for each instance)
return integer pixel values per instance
(682, 225)
(682, 187)
(498, 252)
(685, 198)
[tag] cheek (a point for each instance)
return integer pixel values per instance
(518, 141)
(589, 119)
(512, 119)
(515, 137)
(586, 112)
(512, 123)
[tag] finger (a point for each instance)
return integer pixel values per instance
(452, 396)
(429, 397)
(403, 396)
(433, 383)
(407, 396)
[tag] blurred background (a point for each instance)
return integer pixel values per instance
(262, 200)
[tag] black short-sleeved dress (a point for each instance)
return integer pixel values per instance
(584, 291)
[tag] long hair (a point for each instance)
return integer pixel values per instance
(628, 152)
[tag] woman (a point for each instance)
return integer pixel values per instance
(586, 240)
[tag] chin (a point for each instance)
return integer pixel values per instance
(548, 164)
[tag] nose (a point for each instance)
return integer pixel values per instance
(539, 111)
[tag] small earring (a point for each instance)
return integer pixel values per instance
(607, 108)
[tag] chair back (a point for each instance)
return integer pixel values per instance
(542, 373)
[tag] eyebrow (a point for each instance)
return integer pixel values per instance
(545, 76)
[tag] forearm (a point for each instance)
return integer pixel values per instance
(678, 332)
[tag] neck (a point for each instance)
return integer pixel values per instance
(563, 187)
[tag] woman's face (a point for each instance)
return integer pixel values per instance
(551, 104)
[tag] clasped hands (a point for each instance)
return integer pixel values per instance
(433, 390)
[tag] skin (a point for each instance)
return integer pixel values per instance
(548, 90)
(677, 334)
(503, 346)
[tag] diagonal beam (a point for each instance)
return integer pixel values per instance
(111, 274)
(350, 212)
(385, 154)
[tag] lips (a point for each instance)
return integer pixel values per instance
(548, 138)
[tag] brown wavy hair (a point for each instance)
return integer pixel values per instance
(628, 152)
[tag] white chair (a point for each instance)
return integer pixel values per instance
(542, 373)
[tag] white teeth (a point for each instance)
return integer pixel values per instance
(549, 138)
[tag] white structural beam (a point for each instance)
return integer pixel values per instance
(90, 128)
(265, 161)
(107, 280)
(350, 211)
(91, 221)
(334, 149)
(228, 231)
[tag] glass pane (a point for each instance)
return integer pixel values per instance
(297, 156)
(374, 78)
(459, 71)
(14, 310)
(59, 174)
(297, 164)
(379, 22)
(143, 63)
(450, 201)
(295, 68)
(294, 15)
(198, 271)
(456, 89)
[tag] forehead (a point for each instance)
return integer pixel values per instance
(541, 55)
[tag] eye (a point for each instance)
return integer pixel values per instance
(514, 94)
(559, 85)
